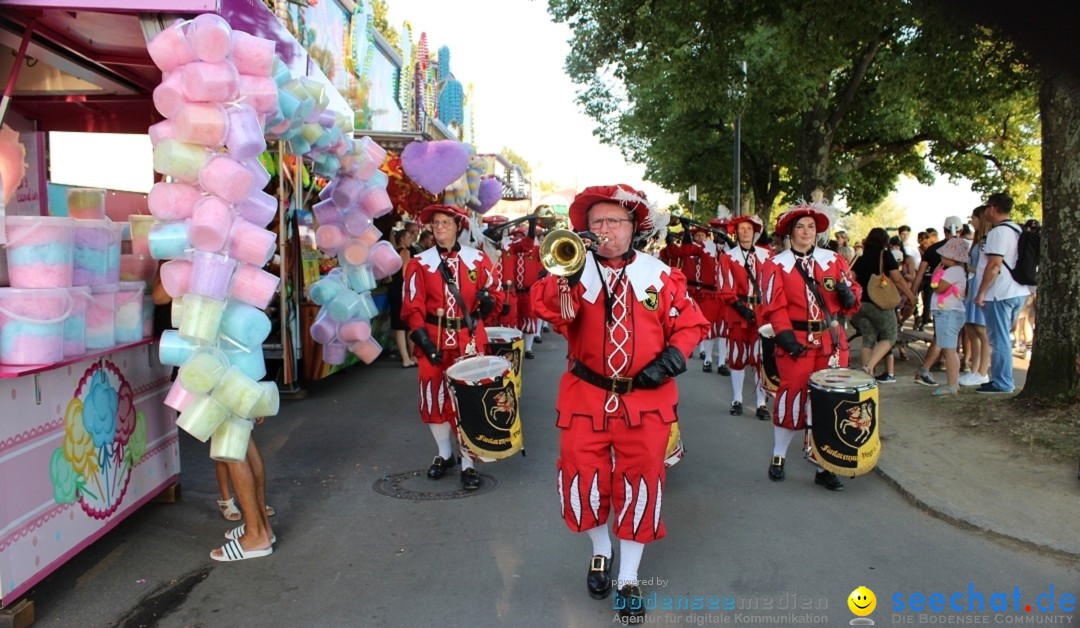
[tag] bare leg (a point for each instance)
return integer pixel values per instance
(403, 348)
(259, 471)
(881, 349)
(221, 471)
(256, 526)
(952, 366)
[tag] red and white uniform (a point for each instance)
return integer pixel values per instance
(521, 266)
(700, 269)
(650, 309)
(425, 293)
(788, 304)
(670, 255)
(740, 280)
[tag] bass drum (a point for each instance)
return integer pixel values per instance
(844, 407)
(489, 419)
(509, 343)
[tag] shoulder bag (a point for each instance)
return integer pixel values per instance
(882, 290)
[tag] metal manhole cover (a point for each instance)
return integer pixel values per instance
(416, 486)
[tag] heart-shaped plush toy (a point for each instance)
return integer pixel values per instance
(435, 165)
(490, 193)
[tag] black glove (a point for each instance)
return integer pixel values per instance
(532, 227)
(745, 312)
(846, 296)
(505, 308)
(487, 302)
(786, 341)
(687, 237)
(493, 234)
(574, 278)
(423, 340)
(669, 363)
(685, 222)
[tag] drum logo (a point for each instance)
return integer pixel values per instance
(652, 299)
(855, 422)
(501, 408)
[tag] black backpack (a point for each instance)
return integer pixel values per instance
(1026, 271)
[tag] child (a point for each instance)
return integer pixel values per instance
(949, 282)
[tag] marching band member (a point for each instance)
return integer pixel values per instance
(740, 291)
(803, 288)
(496, 251)
(630, 325)
(522, 268)
(448, 290)
(698, 256)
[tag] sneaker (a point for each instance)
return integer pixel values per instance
(886, 378)
(973, 379)
(990, 389)
(925, 378)
(946, 391)
(1027, 355)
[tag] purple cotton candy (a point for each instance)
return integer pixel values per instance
(435, 165)
(490, 193)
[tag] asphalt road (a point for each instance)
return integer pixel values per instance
(740, 549)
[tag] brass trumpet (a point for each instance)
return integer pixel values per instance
(562, 252)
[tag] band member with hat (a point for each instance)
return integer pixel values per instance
(448, 291)
(496, 251)
(740, 290)
(698, 256)
(630, 325)
(522, 268)
(803, 289)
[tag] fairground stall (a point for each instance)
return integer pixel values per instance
(87, 434)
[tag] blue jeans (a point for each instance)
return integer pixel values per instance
(1000, 317)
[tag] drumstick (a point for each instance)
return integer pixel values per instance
(438, 334)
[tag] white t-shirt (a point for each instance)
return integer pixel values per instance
(1002, 241)
(956, 276)
(913, 251)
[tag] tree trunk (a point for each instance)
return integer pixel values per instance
(815, 147)
(1054, 362)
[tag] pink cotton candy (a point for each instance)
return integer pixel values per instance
(356, 252)
(253, 55)
(173, 201)
(169, 49)
(163, 130)
(209, 82)
(330, 238)
(227, 178)
(251, 244)
(204, 124)
(176, 277)
(260, 92)
(210, 37)
(258, 209)
(367, 350)
(210, 224)
(169, 95)
(253, 286)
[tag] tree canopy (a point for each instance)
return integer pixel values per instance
(841, 95)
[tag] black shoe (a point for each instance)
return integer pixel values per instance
(723, 370)
(470, 479)
(706, 367)
(763, 413)
(630, 602)
(736, 408)
(599, 577)
(529, 355)
(776, 469)
(829, 480)
(538, 340)
(440, 466)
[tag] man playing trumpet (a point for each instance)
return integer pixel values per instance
(630, 326)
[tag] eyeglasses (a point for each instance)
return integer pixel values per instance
(442, 223)
(610, 223)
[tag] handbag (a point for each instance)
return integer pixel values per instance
(882, 291)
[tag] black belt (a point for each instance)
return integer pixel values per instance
(617, 385)
(703, 286)
(752, 300)
(445, 322)
(813, 327)
(523, 290)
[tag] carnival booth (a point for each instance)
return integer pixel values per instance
(89, 414)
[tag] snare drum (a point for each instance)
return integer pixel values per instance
(768, 374)
(675, 449)
(489, 420)
(844, 434)
(509, 343)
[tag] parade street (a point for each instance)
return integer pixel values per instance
(740, 548)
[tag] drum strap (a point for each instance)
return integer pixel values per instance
(811, 284)
(452, 287)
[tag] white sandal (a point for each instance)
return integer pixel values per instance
(229, 510)
(233, 551)
(238, 531)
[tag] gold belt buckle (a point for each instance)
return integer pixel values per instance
(616, 380)
(815, 327)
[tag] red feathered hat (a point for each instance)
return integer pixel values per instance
(752, 219)
(495, 220)
(633, 200)
(428, 213)
(786, 221)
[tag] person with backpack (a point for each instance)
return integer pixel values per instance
(1000, 295)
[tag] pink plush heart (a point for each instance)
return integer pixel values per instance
(435, 165)
(490, 193)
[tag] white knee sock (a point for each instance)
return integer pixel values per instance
(629, 560)
(441, 432)
(759, 390)
(781, 439)
(539, 326)
(529, 338)
(601, 541)
(721, 348)
(738, 376)
(704, 346)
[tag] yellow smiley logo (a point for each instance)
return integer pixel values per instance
(862, 601)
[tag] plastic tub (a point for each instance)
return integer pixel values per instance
(112, 257)
(137, 268)
(75, 324)
(86, 203)
(101, 317)
(211, 275)
(229, 442)
(169, 240)
(176, 277)
(95, 242)
(205, 124)
(173, 201)
(251, 244)
(244, 139)
(176, 311)
(173, 350)
(178, 398)
(367, 350)
(129, 312)
(325, 328)
(360, 278)
(253, 286)
(210, 223)
(244, 324)
(252, 55)
(250, 360)
(202, 371)
(258, 209)
(225, 177)
(148, 308)
(202, 318)
(202, 416)
(180, 160)
(326, 289)
(40, 251)
(354, 331)
(210, 82)
(210, 37)
(238, 392)
(355, 252)
(261, 92)
(333, 353)
(270, 403)
(140, 233)
(170, 49)
(32, 325)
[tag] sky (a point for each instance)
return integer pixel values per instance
(513, 55)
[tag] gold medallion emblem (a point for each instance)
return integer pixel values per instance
(472, 275)
(829, 283)
(652, 300)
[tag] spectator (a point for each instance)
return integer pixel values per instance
(1025, 323)
(949, 281)
(844, 248)
(998, 294)
(426, 241)
(931, 260)
(876, 325)
(907, 306)
(404, 240)
(974, 320)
